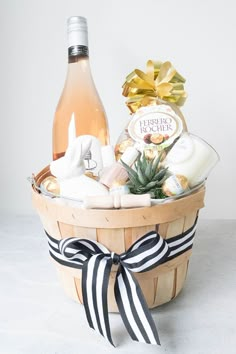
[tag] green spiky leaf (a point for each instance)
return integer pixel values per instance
(155, 165)
(148, 170)
(141, 176)
(129, 170)
(159, 175)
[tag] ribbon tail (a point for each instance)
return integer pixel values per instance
(133, 308)
(95, 278)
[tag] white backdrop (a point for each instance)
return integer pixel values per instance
(197, 37)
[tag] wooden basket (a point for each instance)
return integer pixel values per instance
(118, 230)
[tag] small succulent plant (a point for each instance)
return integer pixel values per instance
(147, 176)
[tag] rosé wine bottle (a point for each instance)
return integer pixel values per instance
(79, 110)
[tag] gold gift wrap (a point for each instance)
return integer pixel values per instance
(161, 80)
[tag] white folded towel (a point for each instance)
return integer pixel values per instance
(80, 187)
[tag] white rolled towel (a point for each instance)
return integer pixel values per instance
(72, 163)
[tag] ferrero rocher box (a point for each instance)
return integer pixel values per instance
(153, 100)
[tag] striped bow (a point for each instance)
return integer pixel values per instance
(96, 262)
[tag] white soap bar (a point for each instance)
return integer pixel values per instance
(80, 187)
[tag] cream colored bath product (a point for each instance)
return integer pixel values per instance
(108, 155)
(117, 173)
(175, 185)
(117, 201)
(108, 159)
(80, 187)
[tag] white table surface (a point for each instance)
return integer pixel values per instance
(36, 317)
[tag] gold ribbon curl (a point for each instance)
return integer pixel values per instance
(161, 81)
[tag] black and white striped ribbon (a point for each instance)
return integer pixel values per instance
(96, 261)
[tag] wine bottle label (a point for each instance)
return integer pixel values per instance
(157, 125)
(78, 50)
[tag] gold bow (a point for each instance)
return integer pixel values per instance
(160, 81)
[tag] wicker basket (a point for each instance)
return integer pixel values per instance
(118, 230)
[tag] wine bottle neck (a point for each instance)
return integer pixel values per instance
(77, 32)
(78, 66)
(77, 52)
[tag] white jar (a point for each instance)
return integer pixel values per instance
(191, 157)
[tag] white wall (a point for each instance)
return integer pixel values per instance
(198, 37)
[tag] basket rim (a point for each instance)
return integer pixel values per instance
(115, 218)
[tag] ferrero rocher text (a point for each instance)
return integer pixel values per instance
(156, 125)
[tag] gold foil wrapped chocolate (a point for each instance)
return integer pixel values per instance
(152, 152)
(161, 81)
(122, 146)
(51, 185)
(175, 185)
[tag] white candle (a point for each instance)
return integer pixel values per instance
(71, 130)
(191, 157)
